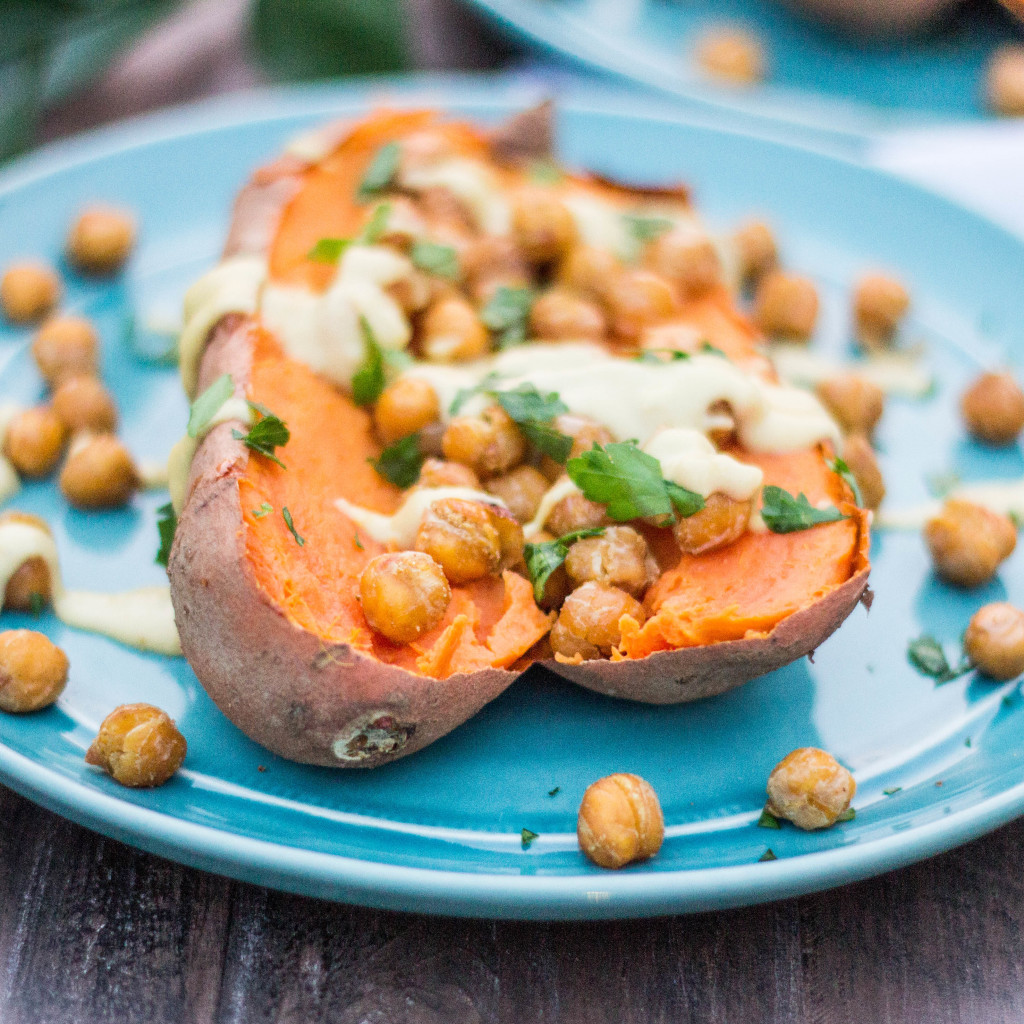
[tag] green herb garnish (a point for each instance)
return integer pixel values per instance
(653, 355)
(264, 510)
(401, 462)
(376, 225)
(629, 482)
(767, 855)
(358, 543)
(646, 228)
(368, 381)
(527, 837)
(434, 258)
(287, 516)
(928, 657)
(891, 790)
(848, 815)
(544, 172)
(463, 395)
(711, 350)
(768, 820)
(555, 791)
(266, 435)
(206, 406)
(840, 468)
(967, 742)
(543, 559)
(166, 524)
(507, 315)
(381, 172)
(782, 513)
(328, 250)
(533, 414)
(36, 603)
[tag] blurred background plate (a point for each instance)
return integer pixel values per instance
(440, 831)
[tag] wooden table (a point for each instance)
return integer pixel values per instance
(92, 931)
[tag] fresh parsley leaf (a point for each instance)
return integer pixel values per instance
(358, 543)
(544, 172)
(767, 855)
(206, 406)
(768, 820)
(533, 412)
(401, 462)
(328, 250)
(36, 603)
(287, 516)
(892, 790)
(654, 355)
(265, 435)
(381, 172)
(507, 315)
(555, 791)
(848, 815)
(264, 510)
(646, 228)
(782, 513)
(463, 395)
(967, 742)
(376, 225)
(527, 837)
(544, 558)
(434, 258)
(397, 360)
(928, 657)
(840, 468)
(166, 524)
(629, 482)
(711, 350)
(368, 381)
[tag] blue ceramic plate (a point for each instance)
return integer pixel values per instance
(818, 79)
(440, 831)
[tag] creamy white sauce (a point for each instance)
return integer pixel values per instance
(401, 527)
(142, 618)
(601, 224)
(154, 474)
(1005, 497)
(554, 494)
(10, 482)
(689, 459)
(312, 146)
(471, 181)
(896, 373)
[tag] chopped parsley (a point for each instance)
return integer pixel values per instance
(264, 510)
(287, 516)
(328, 250)
(555, 791)
(434, 258)
(711, 350)
(544, 172)
(629, 482)
(206, 406)
(840, 468)
(533, 413)
(37, 603)
(654, 355)
(782, 513)
(266, 435)
(401, 462)
(848, 815)
(892, 790)
(463, 395)
(543, 559)
(368, 381)
(767, 855)
(358, 543)
(166, 524)
(768, 820)
(926, 654)
(381, 172)
(507, 315)
(376, 225)
(527, 837)
(967, 742)
(646, 228)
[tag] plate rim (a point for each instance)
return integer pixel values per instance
(389, 886)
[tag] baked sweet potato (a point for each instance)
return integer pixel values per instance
(267, 605)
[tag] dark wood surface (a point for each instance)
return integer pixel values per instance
(92, 931)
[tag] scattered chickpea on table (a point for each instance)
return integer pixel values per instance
(101, 239)
(732, 55)
(810, 788)
(35, 440)
(880, 303)
(64, 347)
(993, 408)
(968, 542)
(856, 404)
(994, 640)
(28, 291)
(1004, 81)
(138, 745)
(33, 671)
(756, 250)
(620, 821)
(99, 472)
(786, 305)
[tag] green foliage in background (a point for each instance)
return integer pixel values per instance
(303, 39)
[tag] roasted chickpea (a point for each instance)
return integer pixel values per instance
(83, 403)
(732, 55)
(968, 542)
(880, 303)
(588, 624)
(415, 291)
(786, 305)
(451, 331)
(521, 489)
(994, 640)
(101, 239)
(491, 262)
(620, 821)
(66, 346)
(756, 251)
(489, 443)
(438, 473)
(559, 315)
(138, 745)
(687, 258)
(856, 404)
(34, 441)
(405, 407)
(810, 788)
(721, 521)
(993, 408)
(28, 291)
(860, 457)
(403, 595)
(30, 583)
(542, 225)
(99, 472)
(619, 558)
(460, 537)
(1004, 81)
(575, 512)
(588, 271)
(33, 671)
(637, 299)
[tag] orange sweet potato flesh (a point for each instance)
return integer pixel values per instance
(274, 628)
